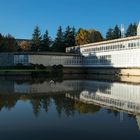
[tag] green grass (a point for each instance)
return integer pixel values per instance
(23, 70)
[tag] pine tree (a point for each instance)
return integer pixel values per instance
(116, 32)
(69, 37)
(109, 34)
(132, 30)
(1, 37)
(73, 36)
(46, 42)
(36, 39)
(58, 45)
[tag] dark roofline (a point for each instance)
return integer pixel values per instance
(23, 39)
(41, 53)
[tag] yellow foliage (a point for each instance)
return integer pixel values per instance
(82, 37)
(24, 45)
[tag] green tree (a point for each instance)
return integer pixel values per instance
(73, 32)
(8, 44)
(1, 41)
(132, 30)
(109, 34)
(1, 37)
(116, 32)
(69, 37)
(46, 42)
(36, 39)
(58, 44)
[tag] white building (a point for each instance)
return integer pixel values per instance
(121, 53)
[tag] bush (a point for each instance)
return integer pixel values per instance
(59, 66)
(39, 66)
(54, 67)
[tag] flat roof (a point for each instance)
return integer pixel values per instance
(109, 41)
(41, 53)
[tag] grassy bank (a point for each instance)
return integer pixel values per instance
(34, 70)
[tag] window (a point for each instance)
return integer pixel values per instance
(21, 59)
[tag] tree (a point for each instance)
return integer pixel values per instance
(36, 39)
(24, 45)
(116, 32)
(82, 37)
(132, 30)
(109, 34)
(73, 32)
(46, 42)
(88, 36)
(8, 44)
(1, 37)
(1, 41)
(58, 44)
(69, 37)
(94, 36)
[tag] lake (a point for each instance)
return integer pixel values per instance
(69, 108)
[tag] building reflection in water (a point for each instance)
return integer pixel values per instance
(84, 96)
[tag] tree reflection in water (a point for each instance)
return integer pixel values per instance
(62, 104)
(41, 94)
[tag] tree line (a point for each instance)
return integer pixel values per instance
(64, 39)
(115, 33)
(67, 38)
(8, 44)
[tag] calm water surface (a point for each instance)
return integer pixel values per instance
(40, 109)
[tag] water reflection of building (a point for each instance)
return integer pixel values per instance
(121, 96)
(138, 120)
(47, 87)
(115, 96)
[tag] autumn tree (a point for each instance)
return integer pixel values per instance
(24, 45)
(88, 36)
(94, 36)
(82, 37)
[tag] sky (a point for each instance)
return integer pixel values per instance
(19, 17)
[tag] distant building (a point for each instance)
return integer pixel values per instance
(44, 58)
(21, 40)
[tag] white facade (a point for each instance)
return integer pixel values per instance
(71, 60)
(119, 53)
(116, 53)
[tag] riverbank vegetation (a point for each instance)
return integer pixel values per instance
(33, 70)
(64, 38)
